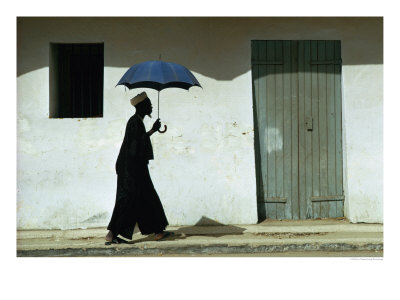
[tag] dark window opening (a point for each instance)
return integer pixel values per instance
(76, 80)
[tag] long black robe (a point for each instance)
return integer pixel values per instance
(136, 199)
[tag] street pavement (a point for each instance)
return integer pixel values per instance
(327, 237)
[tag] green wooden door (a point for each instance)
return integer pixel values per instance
(297, 112)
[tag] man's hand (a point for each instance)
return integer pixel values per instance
(156, 125)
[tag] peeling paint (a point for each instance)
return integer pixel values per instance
(102, 217)
(273, 140)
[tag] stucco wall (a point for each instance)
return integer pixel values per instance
(363, 140)
(204, 164)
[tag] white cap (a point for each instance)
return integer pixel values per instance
(138, 98)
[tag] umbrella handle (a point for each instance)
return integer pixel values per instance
(163, 131)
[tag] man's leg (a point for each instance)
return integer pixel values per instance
(121, 209)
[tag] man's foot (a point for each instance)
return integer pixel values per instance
(162, 235)
(117, 240)
(159, 236)
(109, 236)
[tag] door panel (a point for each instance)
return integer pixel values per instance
(297, 97)
(273, 81)
(327, 192)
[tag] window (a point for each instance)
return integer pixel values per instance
(76, 80)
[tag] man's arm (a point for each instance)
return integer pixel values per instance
(150, 132)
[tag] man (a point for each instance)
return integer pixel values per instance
(137, 200)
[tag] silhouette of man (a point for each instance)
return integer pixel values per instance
(136, 200)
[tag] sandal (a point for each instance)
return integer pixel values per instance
(116, 240)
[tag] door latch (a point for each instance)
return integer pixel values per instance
(309, 123)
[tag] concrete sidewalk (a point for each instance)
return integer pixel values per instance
(329, 237)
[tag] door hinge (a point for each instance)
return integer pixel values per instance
(327, 62)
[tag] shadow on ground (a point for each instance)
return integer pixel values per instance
(204, 227)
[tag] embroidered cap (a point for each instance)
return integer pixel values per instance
(138, 98)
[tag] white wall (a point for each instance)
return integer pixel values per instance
(363, 140)
(204, 164)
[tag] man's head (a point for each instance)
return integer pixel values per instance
(142, 104)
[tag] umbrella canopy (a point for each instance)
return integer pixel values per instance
(158, 75)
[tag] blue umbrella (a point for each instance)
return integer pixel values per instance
(158, 75)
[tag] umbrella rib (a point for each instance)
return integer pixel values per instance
(176, 75)
(149, 71)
